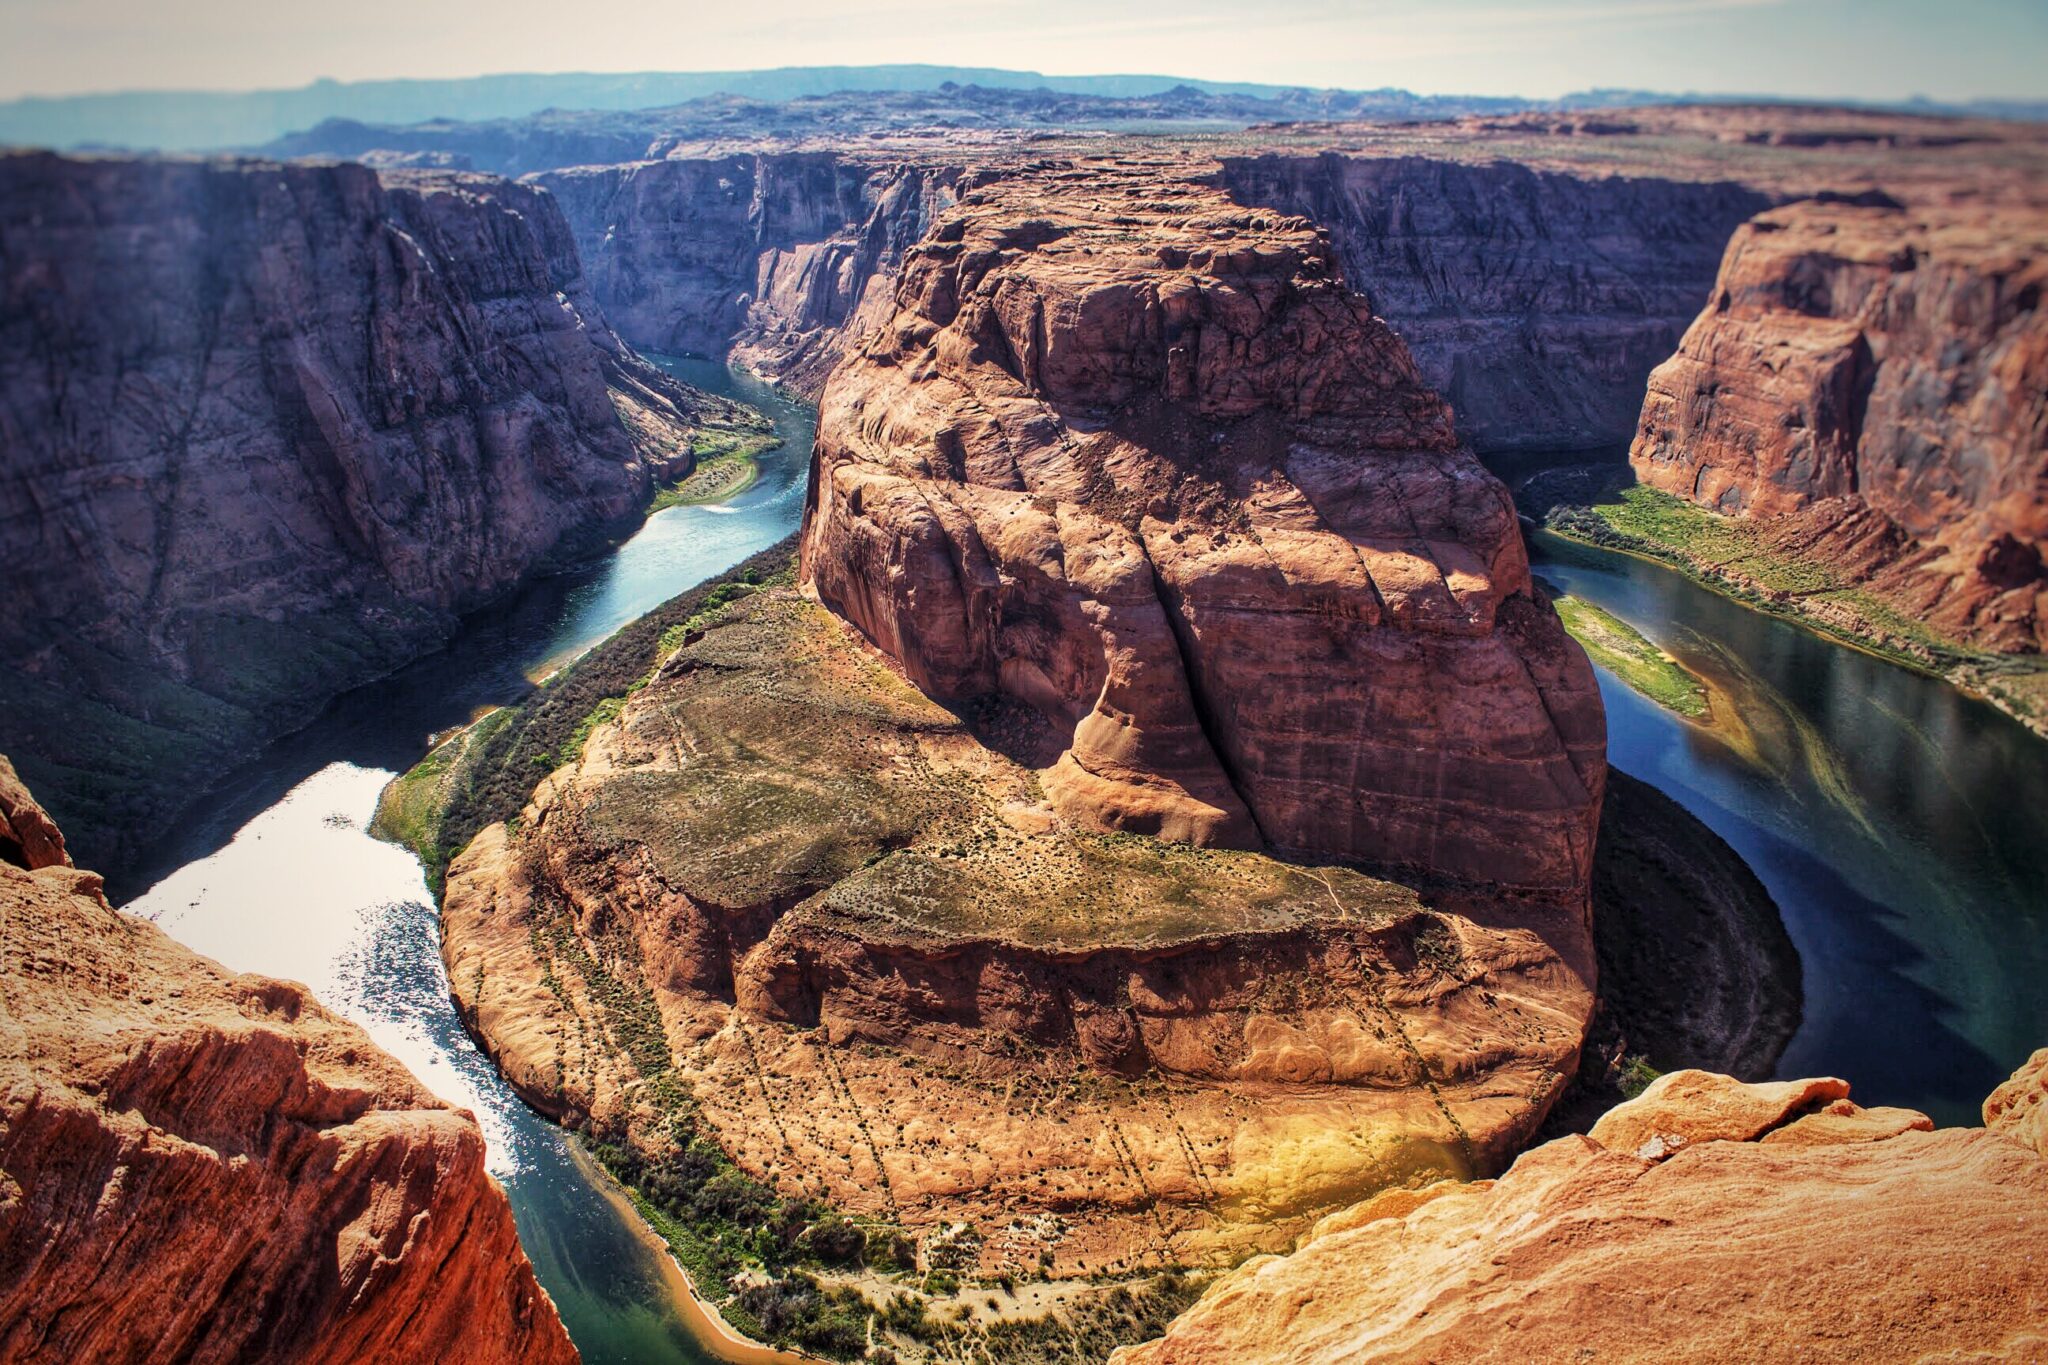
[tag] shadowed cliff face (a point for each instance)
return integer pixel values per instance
(1867, 385)
(776, 259)
(200, 1166)
(1132, 456)
(1535, 302)
(268, 430)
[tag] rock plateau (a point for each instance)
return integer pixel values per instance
(1165, 519)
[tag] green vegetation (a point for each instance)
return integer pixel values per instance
(1731, 556)
(490, 778)
(1619, 648)
(727, 464)
(1633, 1074)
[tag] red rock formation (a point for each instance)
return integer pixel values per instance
(2019, 1108)
(1134, 457)
(1707, 1220)
(789, 903)
(268, 431)
(200, 1166)
(1867, 384)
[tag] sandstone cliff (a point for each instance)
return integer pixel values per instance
(778, 259)
(1536, 301)
(1868, 386)
(268, 430)
(1132, 459)
(1707, 1219)
(199, 1166)
(1163, 515)
(787, 905)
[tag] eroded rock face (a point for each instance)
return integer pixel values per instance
(268, 431)
(1751, 1236)
(1536, 301)
(1132, 456)
(201, 1166)
(778, 259)
(890, 977)
(1867, 383)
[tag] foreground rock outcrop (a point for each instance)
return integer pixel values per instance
(269, 430)
(1866, 386)
(1131, 460)
(1724, 1221)
(201, 1166)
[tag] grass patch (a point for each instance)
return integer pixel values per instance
(1622, 650)
(495, 772)
(727, 465)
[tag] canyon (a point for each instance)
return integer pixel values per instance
(196, 1165)
(270, 431)
(1151, 816)
(1866, 390)
(1648, 1231)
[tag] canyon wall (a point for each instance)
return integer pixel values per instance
(1536, 301)
(200, 1166)
(774, 258)
(268, 431)
(1131, 457)
(1868, 385)
(1720, 1220)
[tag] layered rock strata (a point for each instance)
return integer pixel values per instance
(269, 430)
(201, 1166)
(790, 901)
(1163, 516)
(777, 259)
(1132, 459)
(1722, 1220)
(1536, 301)
(1868, 387)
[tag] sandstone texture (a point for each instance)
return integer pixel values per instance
(786, 884)
(200, 1166)
(268, 431)
(1133, 460)
(1868, 384)
(1706, 1219)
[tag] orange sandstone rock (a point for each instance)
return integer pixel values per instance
(1866, 384)
(1845, 1244)
(1133, 457)
(200, 1166)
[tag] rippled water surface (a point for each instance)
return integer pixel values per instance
(1901, 826)
(279, 875)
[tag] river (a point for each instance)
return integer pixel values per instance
(279, 875)
(1902, 827)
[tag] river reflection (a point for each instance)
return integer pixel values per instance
(1902, 827)
(278, 875)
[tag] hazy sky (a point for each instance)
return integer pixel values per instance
(1855, 48)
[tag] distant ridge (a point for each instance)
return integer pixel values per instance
(199, 120)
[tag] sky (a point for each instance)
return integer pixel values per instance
(1861, 49)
